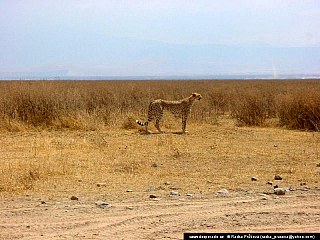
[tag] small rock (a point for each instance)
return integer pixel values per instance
(276, 186)
(167, 183)
(303, 184)
(280, 191)
(160, 188)
(79, 180)
(305, 188)
(129, 190)
(152, 196)
(318, 164)
(223, 191)
(154, 165)
(130, 208)
(150, 188)
(254, 179)
(181, 199)
(175, 187)
(264, 198)
(209, 181)
(277, 177)
(189, 195)
(101, 204)
(275, 145)
(28, 226)
(269, 183)
(101, 184)
(43, 202)
(174, 193)
(74, 198)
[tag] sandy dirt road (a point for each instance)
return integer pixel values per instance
(29, 218)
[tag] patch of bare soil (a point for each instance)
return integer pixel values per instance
(168, 218)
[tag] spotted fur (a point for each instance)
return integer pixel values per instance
(181, 107)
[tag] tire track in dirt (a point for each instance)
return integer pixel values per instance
(164, 220)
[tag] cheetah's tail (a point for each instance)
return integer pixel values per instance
(142, 124)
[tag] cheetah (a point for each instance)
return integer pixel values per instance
(181, 107)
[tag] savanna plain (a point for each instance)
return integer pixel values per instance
(75, 165)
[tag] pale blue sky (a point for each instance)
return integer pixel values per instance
(47, 28)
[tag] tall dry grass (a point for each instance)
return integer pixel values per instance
(92, 105)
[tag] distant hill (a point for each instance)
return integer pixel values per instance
(111, 56)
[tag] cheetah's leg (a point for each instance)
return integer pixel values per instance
(150, 118)
(184, 123)
(158, 121)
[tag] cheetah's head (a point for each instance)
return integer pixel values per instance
(196, 96)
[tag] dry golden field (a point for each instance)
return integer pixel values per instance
(60, 139)
(92, 105)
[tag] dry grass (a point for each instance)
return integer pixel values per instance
(93, 105)
(61, 163)
(95, 138)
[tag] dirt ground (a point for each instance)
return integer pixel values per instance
(227, 156)
(298, 211)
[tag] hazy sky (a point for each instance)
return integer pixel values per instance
(30, 23)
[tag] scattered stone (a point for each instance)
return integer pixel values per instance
(175, 188)
(254, 179)
(152, 196)
(150, 188)
(174, 193)
(269, 183)
(129, 190)
(154, 165)
(275, 145)
(277, 177)
(181, 199)
(303, 184)
(276, 186)
(264, 198)
(263, 194)
(28, 226)
(209, 181)
(305, 188)
(79, 180)
(130, 208)
(223, 191)
(43, 202)
(101, 184)
(101, 204)
(167, 183)
(318, 164)
(74, 198)
(280, 191)
(160, 188)
(189, 195)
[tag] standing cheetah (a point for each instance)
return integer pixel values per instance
(181, 107)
